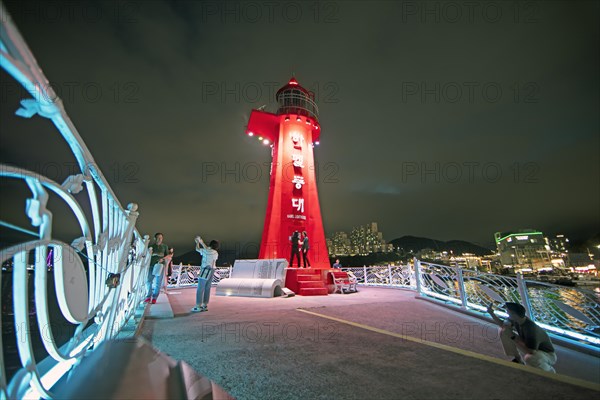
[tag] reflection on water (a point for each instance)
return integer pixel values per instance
(542, 299)
(61, 329)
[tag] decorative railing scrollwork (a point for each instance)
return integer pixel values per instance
(65, 297)
(568, 312)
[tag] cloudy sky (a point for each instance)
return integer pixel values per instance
(449, 120)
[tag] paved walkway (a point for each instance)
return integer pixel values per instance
(375, 344)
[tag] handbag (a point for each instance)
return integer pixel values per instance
(157, 269)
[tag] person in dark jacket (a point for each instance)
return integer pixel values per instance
(523, 339)
(295, 241)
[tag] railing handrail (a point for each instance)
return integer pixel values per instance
(417, 277)
(100, 276)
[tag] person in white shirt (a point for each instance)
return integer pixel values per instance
(209, 259)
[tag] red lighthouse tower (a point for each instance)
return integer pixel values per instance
(293, 205)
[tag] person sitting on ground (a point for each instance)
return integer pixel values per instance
(523, 339)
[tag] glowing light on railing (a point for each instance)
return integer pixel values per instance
(250, 133)
(317, 142)
(260, 138)
(266, 141)
(572, 334)
(54, 374)
(120, 228)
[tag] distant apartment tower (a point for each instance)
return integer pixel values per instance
(363, 240)
(559, 243)
(524, 249)
(339, 244)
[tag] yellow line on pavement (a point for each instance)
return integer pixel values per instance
(467, 353)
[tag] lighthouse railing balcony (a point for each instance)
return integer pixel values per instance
(297, 102)
(62, 294)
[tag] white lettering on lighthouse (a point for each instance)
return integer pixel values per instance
(298, 160)
(298, 181)
(298, 204)
(297, 138)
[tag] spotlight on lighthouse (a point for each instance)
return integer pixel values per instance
(265, 141)
(260, 138)
(250, 133)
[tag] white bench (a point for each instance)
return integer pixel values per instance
(255, 278)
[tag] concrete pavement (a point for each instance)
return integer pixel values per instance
(375, 344)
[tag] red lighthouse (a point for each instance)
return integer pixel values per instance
(293, 205)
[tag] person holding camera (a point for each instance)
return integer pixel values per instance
(207, 270)
(523, 339)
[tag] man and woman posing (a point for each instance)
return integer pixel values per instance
(300, 244)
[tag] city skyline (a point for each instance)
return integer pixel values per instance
(434, 127)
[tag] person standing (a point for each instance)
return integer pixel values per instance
(158, 260)
(207, 270)
(305, 247)
(337, 264)
(523, 339)
(168, 270)
(295, 249)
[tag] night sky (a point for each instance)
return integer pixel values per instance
(445, 120)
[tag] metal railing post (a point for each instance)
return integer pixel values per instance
(461, 288)
(177, 285)
(522, 286)
(365, 274)
(417, 264)
(390, 274)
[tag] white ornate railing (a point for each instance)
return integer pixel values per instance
(568, 312)
(187, 275)
(571, 313)
(398, 276)
(98, 278)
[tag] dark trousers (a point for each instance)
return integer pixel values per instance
(305, 258)
(297, 254)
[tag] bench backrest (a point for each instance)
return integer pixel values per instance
(259, 269)
(339, 274)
